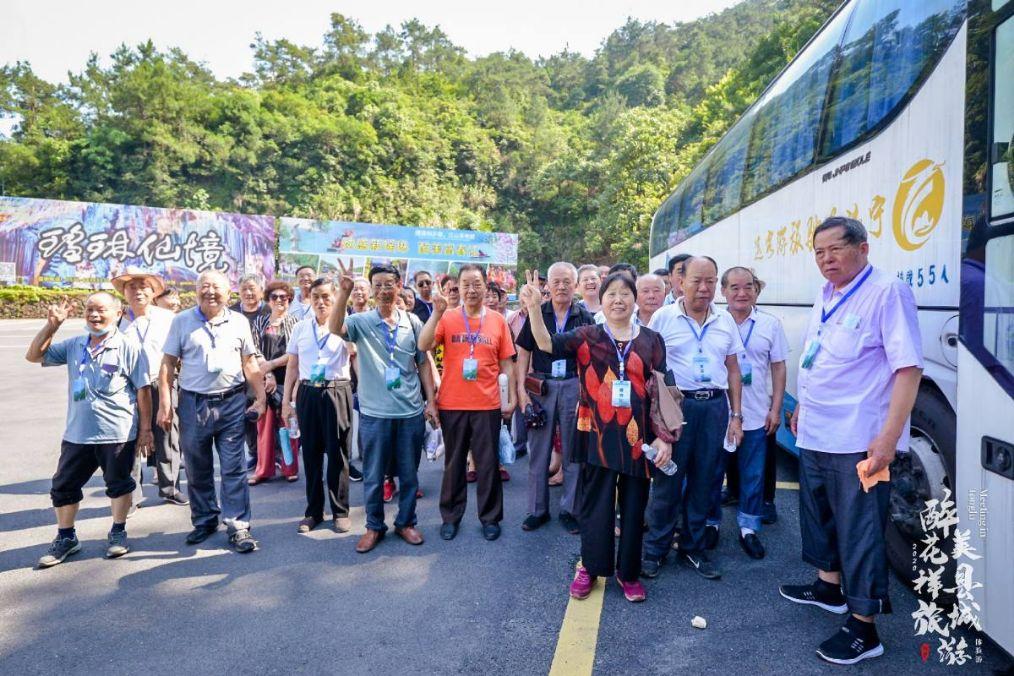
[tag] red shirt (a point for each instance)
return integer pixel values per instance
(492, 344)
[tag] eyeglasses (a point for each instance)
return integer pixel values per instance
(279, 296)
(386, 286)
(452, 289)
(424, 282)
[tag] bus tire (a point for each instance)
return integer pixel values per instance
(917, 476)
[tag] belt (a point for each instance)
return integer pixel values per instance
(320, 386)
(549, 376)
(702, 395)
(218, 396)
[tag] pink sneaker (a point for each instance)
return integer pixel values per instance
(582, 585)
(633, 591)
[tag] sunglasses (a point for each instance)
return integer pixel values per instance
(279, 296)
(424, 282)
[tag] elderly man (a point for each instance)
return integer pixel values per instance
(677, 266)
(213, 347)
(859, 375)
(252, 306)
(422, 282)
(108, 409)
(149, 326)
(650, 297)
(559, 383)
(305, 275)
(701, 346)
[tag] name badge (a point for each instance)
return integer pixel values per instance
(621, 394)
(215, 362)
(392, 377)
(851, 321)
(317, 371)
(470, 369)
(559, 368)
(746, 372)
(79, 389)
(810, 351)
(702, 368)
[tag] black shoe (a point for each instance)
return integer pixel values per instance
(710, 537)
(118, 545)
(728, 498)
(242, 541)
(820, 594)
(769, 514)
(176, 499)
(200, 534)
(751, 544)
(521, 452)
(854, 642)
(491, 531)
(448, 531)
(533, 522)
(355, 475)
(701, 563)
(59, 550)
(568, 521)
(649, 567)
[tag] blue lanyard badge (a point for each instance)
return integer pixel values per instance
(621, 387)
(319, 369)
(133, 323)
(701, 362)
(392, 373)
(79, 388)
(470, 366)
(558, 368)
(812, 346)
(745, 367)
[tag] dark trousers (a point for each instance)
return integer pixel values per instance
(560, 405)
(478, 431)
(385, 439)
(601, 491)
(697, 455)
(842, 527)
(206, 426)
(78, 463)
(319, 436)
(770, 470)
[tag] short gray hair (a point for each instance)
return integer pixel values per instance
(113, 300)
(588, 267)
(854, 231)
(569, 267)
(650, 277)
(254, 277)
(213, 273)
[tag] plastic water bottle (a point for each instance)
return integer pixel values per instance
(668, 468)
(293, 427)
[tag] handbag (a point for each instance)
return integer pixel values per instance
(535, 385)
(670, 402)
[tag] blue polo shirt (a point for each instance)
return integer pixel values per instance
(369, 333)
(108, 413)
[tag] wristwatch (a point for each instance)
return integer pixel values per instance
(736, 415)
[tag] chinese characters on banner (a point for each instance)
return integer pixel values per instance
(930, 562)
(60, 244)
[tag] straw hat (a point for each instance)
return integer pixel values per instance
(136, 273)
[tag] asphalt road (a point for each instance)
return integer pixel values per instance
(310, 604)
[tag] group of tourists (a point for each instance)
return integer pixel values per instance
(636, 393)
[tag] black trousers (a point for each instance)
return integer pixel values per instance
(319, 436)
(78, 463)
(478, 431)
(770, 470)
(600, 491)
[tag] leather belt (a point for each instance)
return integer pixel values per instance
(320, 386)
(702, 395)
(218, 396)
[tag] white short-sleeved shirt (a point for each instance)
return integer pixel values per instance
(719, 339)
(600, 317)
(150, 332)
(764, 343)
(305, 344)
(223, 342)
(846, 393)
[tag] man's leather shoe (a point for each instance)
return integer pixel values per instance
(751, 544)
(491, 531)
(533, 522)
(200, 534)
(308, 524)
(570, 523)
(710, 537)
(369, 540)
(410, 535)
(448, 531)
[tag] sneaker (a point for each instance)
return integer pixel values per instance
(632, 591)
(118, 545)
(582, 585)
(491, 531)
(471, 476)
(355, 475)
(752, 545)
(308, 524)
(504, 474)
(176, 499)
(200, 534)
(769, 514)
(389, 490)
(701, 563)
(418, 493)
(852, 643)
(568, 521)
(59, 550)
(820, 594)
(242, 541)
(448, 531)
(533, 522)
(711, 537)
(342, 524)
(649, 568)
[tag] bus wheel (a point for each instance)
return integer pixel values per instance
(917, 476)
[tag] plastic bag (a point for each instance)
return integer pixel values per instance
(434, 442)
(508, 454)
(286, 444)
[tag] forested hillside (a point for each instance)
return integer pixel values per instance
(402, 127)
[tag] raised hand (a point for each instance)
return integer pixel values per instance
(439, 302)
(346, 281)
(531, 294)
(58, 313)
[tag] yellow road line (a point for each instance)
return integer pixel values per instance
(788, 485)
(579, 634)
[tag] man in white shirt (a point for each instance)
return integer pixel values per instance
(701, 346)
(765, 351)
(677, 266)
(149, 325)
(859, 374)
(650, 296)
(302, 308)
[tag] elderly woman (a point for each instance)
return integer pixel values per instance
(274, 338)
(616, 363)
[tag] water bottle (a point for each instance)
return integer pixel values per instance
(293, 427)
(668, 468)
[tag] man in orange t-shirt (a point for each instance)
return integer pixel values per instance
(477, 349)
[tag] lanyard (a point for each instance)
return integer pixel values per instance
(560, 328)
(321, 342)
(699, 336)
(391, 336)
(472, 338)
(87, 355)
(826, 314)
(746, 341)
(207, 327)
(621, 357)
(133, 322)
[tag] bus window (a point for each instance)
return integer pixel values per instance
(721, 197)
(691, 222)
(663, 226)
(785, 130)
(1002, 189)
(890, 46)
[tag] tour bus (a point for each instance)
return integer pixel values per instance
(899, 113)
